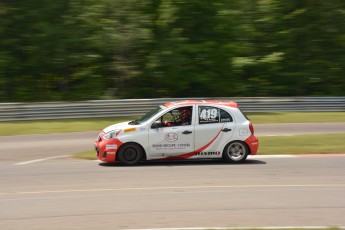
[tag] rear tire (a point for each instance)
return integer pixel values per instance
(236, 152)
(130, 154)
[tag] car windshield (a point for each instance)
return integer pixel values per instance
(148, 115)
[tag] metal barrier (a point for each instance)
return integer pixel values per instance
(136, 107)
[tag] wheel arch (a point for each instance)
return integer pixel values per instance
(127, 143)
(244, 143)
(229, 159)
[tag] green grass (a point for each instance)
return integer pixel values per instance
(297, 228)
(298, 144)
(88, 155)
(79, 125)
(303, 144)
(296, 117)
(57, 126)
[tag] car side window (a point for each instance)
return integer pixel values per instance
(225, 116)
(209, 115)
(177, 117)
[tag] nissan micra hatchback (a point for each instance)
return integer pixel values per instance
(188, 129)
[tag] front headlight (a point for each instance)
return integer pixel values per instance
(111, 134)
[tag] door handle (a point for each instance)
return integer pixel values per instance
(226, 130)
(186, 132)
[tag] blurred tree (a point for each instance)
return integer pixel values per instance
(312, 39)
(190, 51)
(50, 51)
(82, 49)
(297, 48)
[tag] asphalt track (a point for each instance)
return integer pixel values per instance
(30, 147)
(65, 193)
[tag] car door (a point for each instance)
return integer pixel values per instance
(172, 134)
(213, 130)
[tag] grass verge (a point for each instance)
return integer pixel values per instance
(296, 117)
(298, 144)
(88, 155)
(303, 144)
(11, 128)
(290, 228)
(57, 126)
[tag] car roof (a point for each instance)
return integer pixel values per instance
(202, 102)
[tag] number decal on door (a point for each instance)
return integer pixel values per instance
(208, 115)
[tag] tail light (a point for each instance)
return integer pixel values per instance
(251, 128)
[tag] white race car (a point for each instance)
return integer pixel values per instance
(188, 129)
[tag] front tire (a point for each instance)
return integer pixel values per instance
(130, 154)
(236, 152)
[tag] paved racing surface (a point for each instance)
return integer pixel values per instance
(65, 193)
(31, 147)
(77, 194)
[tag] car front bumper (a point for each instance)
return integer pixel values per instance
(106, 149)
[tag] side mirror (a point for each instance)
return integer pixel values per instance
(156, 125)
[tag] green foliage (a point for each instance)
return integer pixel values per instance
(83, 49)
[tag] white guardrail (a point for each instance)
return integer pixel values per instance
(136, 107)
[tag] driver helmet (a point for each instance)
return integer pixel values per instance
(185, 115)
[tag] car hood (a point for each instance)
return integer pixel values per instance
(122, 125)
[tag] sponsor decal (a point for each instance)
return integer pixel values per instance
(171, 146)
(130, 130)
(208, 153)
(171, 137)
(190, 154)
(110, 147)
(111, 153)
(225, 119)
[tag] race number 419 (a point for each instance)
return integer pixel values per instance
(208, 114)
